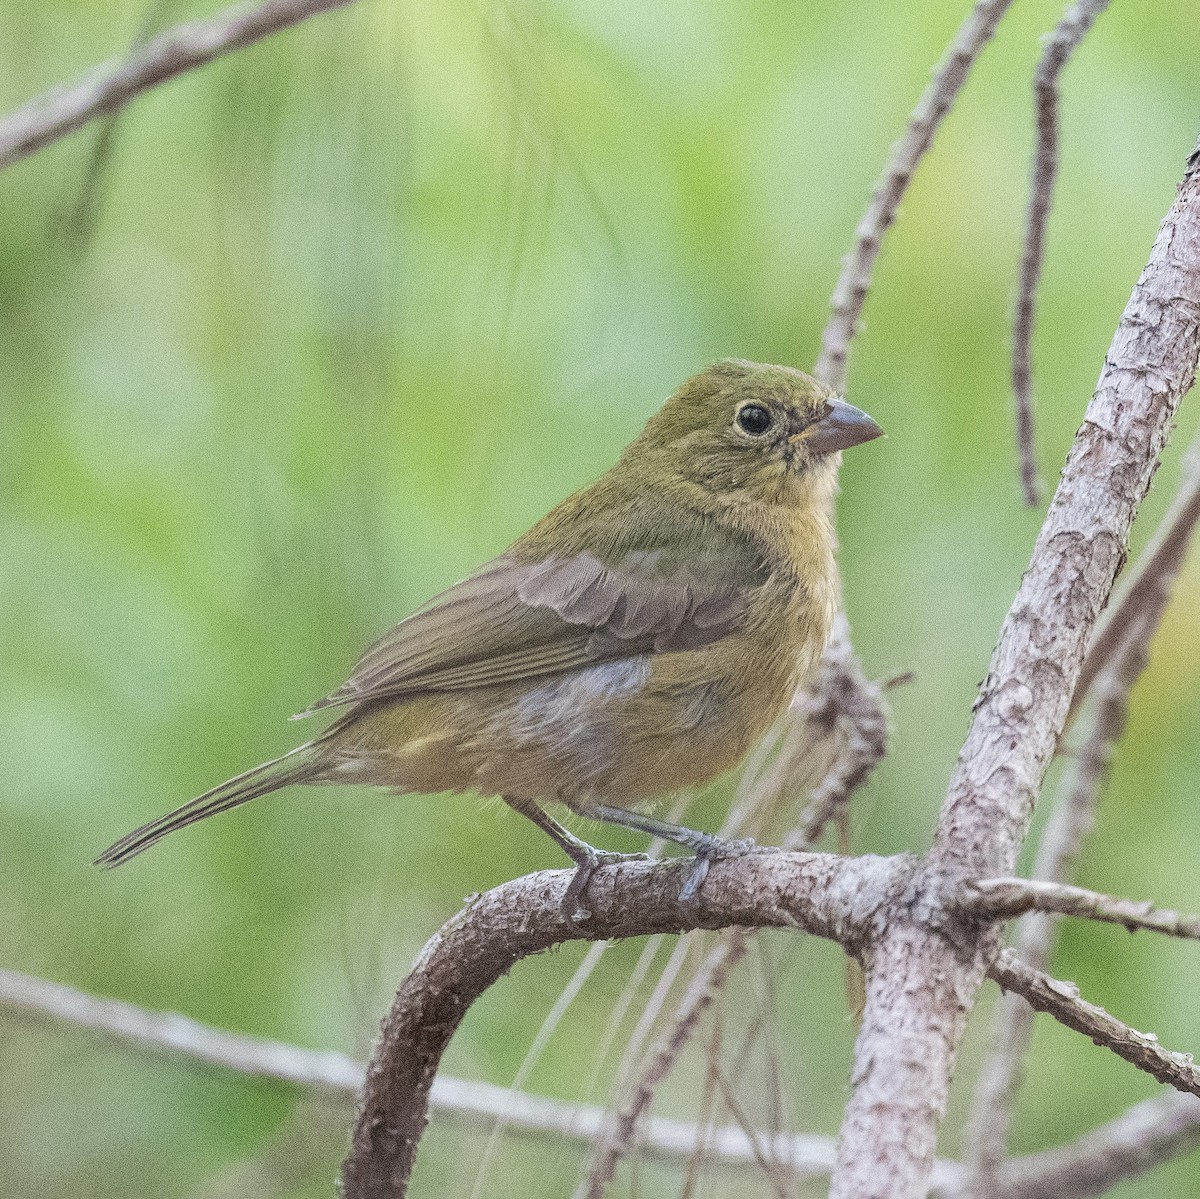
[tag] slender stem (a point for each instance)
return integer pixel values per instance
(108, 88)
(1005, 898)
(1060, 45)
(854, 282)
(1063, 1001)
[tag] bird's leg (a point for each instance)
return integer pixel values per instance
(705, 846)
(586, 857)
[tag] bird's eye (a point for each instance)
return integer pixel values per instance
(754, 419)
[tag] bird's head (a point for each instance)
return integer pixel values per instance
(754, 431)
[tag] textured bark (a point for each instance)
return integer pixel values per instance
(819, 893)
(924, 972)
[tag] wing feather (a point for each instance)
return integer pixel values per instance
(514, 620)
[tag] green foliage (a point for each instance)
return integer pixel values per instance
(347, 312)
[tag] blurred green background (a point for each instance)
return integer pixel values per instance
(305, 336)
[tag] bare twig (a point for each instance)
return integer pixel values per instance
(923, 977)
(1138, 1140)
(767, 1163)
(1063, 1001)
(1005, 898)
(323, 1070)
(1060, 45)
(108, 88)
(854, 282)
(1144, 596)
(701, 992)
(566, 997)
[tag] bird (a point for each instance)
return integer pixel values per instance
(637, 640)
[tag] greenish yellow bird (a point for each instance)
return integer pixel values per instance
(637, 640)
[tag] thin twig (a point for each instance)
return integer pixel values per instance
(1006, 898)
(1140, 1139)
(323, 1070)
(558, 1010)
(1063, 1001)
(634, 1051)
(1060, 45)
(701, 992)
(108, 88)
(854, 282)
(1144, 596)
(765, 1160)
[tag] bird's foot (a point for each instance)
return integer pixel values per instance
(585, 866)
(710, 850)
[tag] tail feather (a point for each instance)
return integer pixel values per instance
(270, 776)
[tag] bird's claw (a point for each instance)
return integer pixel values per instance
(573, 907)
(711, 851)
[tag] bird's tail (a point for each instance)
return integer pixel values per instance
(300, 765)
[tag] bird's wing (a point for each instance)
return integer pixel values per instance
(515, 620)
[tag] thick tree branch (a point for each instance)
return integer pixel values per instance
(1060, 45)
(108, 88)
(1037, 662)
(854, 282)
(923, 974)
(822, 894)
(1114, 662)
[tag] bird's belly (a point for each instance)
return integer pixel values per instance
(622, 732)
(628, 731)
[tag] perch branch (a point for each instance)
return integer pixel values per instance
(1060, 45)
(108, 88)
(854, 281)
(819, 893)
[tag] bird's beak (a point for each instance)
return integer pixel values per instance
(840, 428)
